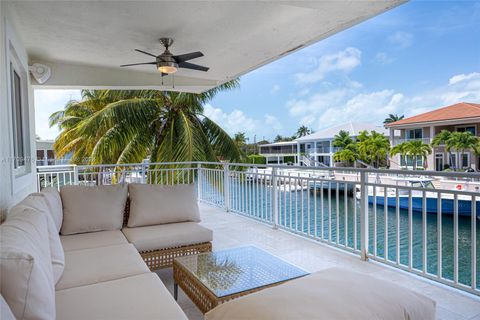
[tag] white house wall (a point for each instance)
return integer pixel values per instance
(12, 189)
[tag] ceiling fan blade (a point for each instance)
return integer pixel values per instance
(188, 65)
(147, 53)
(137, 64)
(188, 56)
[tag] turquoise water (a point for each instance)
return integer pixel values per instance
(254, 199)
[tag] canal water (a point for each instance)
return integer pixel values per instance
(301, 211)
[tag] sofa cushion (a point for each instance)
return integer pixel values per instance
(92, 240)
(5, 312)
(25, 265)
(329, 294)
(38, 202)
(90, 266)
(152, 204)
(88, 209)
(167, 235)
(138, 297)
(54, 204)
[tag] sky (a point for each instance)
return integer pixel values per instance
(417, 57)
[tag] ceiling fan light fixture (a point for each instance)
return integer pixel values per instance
(167, 67)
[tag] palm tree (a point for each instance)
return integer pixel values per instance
(348, 155)
(127, 126)
(414, 149)
(303, 131)
(462, 141)
(240, 139)
(401, 149)
(392, 118)
(444, 138)
(373, 147)
(342, 139)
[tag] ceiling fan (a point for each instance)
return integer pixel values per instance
(167, 63)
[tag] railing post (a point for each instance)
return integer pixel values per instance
(275, 198)
(199, 181)
(363, 216)
(226, 186)
(143, 171)
(75, 174)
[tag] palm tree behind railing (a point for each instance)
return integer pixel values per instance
(128, 126)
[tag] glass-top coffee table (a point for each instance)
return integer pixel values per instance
(212, 278)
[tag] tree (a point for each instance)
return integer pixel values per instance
(444, 138)
(127, 126)
(240, 139)
(346, 155)
(303, 131)
(373, 147)
(462, 141)
(414, 149)
(279, 138)
(342, 139)
(392, 118)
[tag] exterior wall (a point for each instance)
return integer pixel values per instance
(429, 133)
(13, 188)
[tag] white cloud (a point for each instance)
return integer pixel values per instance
(273, 122)
(316, 103)
(401, 39)
(342, 61)
(46, 103)
(351, 103)
(368, 107)
(233, 122)
(462, 77)
(383, 58)
(275, 89)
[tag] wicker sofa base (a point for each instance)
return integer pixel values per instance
(163, 258)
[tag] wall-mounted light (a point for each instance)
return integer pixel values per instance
(40, 72)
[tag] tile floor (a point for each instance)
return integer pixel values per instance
(231, 230)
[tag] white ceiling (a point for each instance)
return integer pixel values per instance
(235, 36)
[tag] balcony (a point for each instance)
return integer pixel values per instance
(318, 218)
(319, 150)
(233, 230)
(397, 141)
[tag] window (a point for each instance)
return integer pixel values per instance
(17, 114)
(409, 162)
(453, 160)
(465, 160)
(471, 129)
(411, 134)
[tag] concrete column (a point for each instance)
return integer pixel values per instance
(298, 153)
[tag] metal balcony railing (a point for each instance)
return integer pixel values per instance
(430, 232)
(401, 140)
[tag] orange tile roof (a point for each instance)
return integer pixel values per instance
(462, 110)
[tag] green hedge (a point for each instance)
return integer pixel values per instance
(256, 159)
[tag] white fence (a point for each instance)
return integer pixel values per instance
(427, 231)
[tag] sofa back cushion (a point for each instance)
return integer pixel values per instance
(88, 209)
(54, 204)
(152, 204)
(37, 202)
(25, 266)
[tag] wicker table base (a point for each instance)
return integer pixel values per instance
(203, 298)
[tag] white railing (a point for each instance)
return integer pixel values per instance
(401, 140)
(428, 232)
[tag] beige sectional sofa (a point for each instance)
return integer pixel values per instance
(74, 254)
